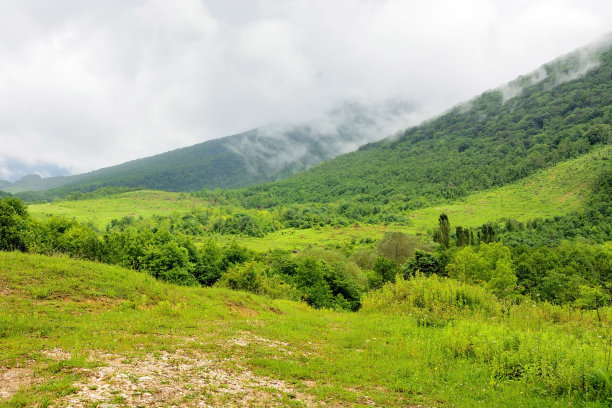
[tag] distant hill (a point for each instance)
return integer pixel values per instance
(560, 111)
(257, 156)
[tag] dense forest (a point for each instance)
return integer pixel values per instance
(260, 155)
(486, 142)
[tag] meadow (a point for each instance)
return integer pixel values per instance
(558, 190)
(85, 334)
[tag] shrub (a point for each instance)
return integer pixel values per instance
(254, 277)
(434, 294)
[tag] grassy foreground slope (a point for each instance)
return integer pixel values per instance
(83, 334)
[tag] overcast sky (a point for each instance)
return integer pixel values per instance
(87, 84)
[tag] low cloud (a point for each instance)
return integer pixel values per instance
(272, 148)
(565, 68)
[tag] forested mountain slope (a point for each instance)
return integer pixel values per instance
(260, 155)
(561, 111)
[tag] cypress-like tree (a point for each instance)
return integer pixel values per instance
(444, 230)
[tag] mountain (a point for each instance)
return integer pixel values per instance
(257, 156)
(560, 111)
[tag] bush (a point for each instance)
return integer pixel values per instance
(441, 296)
(179, 276)
(254, 277)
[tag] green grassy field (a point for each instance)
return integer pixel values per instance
(100, 212)
(555, 191)
(83, 334)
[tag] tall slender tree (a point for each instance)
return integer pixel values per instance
(444, 230)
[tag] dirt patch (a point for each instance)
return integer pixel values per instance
(57, 354)
(247, 338)
(178, 379)
(275, 310)
(242, 310)
(5, 291)
(11, 379)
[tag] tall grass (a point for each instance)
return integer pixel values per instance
(546, 349)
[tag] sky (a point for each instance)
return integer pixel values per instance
(86, 84)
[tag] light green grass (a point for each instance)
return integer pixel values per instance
(100, 212)
(558, 190)
(301, 239)
(336, 359)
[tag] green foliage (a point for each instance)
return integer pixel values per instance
(386, 268)
(442, 234)
(590, 298)
(164, 257)
(208, 269)
(179, 276)
(487, 142)
(425, 263)
(13, 223)
(326, 286)
(556, 274)
(310, 280)
(593, 223)
(255, 277)
(490, 264)
(557, 363)
(397, 246)
(438, 296)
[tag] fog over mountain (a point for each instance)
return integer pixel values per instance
(259, 155)
(88, 85)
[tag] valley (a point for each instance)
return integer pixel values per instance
(464, 262)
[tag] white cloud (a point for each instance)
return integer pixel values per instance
(87, 84)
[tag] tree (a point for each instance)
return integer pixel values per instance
(386, 268)
(592, 298)
(159, 259)
(503, 280)
(442, 235)
(397, 246)
(310, 280)
(13, 218)
(424, 262)
(490, 264)
(208, 268)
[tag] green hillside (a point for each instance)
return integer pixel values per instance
(465, 263)
(101, 211)
(486, 142)
(84, 334)
(260, 155)
(206, 165)
(559, 190)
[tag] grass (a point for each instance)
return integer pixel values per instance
(559, 190)
(100, 212)
(556, 191)
(63, 320)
